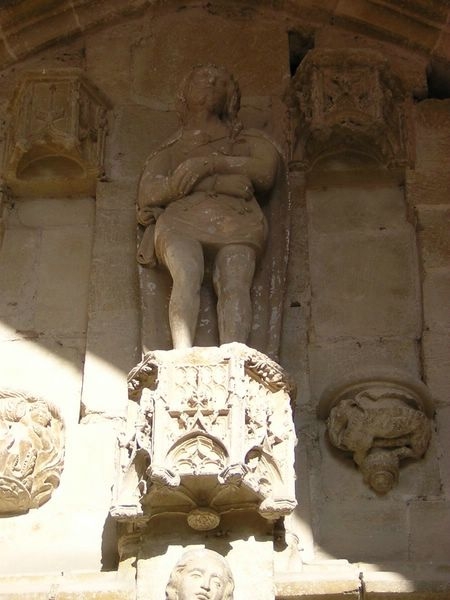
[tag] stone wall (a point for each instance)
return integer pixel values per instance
(367, 287)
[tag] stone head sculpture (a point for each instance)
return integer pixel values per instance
(200, 575)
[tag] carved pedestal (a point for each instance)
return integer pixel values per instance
(380, 420)
(213, 434)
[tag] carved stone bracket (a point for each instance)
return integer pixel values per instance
(348, 99)
(31, 451)
(56, 135)
(214, 432)
(379, 419)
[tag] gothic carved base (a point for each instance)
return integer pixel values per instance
(380, 420)
(214, 433)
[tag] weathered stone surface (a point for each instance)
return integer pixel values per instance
(428, 519)
(436, 300)
(434, 236)
(364, 285)
(344, 530)
(257, 56)
(437, 364)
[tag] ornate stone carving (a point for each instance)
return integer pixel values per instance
(214, 432)
(200, 573)
(56, 135)
(348, 99)
(31, 451)
(199, 199)
(380, 420)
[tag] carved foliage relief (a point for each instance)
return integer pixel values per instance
(31, 451)
(380, 422)
(215, 424)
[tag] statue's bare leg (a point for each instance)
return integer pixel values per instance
(184, 259)
(234, 268)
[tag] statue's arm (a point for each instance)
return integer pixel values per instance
(260, 167)
(154, 189)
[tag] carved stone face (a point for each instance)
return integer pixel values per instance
(202, 580)
(207, 90)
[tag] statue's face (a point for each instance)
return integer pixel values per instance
(204, 581)
(207, 90)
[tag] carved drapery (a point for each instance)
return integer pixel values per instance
(214, 432)
(56, 135)
(380, 420)
(31, 451)
(349, 100)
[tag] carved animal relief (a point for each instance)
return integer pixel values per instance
(31, 452)
(380, 423)
(214, 432)
(56, 135)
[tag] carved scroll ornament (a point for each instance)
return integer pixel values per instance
(31, 451)
(349, 100)
(56, 135)
(380, 421)
(214, 432)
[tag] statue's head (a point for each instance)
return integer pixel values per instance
(200, 575)
(212, 87)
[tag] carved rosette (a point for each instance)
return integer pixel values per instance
(31, 451)
(380, 420)
(56, 135)
(348, 99)
(214, 432)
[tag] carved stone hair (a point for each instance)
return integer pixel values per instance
(200, 557)
(232, 103)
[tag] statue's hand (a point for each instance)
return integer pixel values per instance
(189, 173)
(148, 214)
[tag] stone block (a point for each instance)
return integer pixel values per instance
(19, 258)
(329, 362)
(370, 531)
(436, 300)
(111, 353)
(428, 521)
(434, 236)
(257, 56)
(365, 284)
(53, 371)
(429, 187)
(48, 213)
(432, 118)
(341, 209)
(405, 582)
(324, 580)
(442, 436)
(116, 195)
(436, 359)
(63, 280)
(137, 131)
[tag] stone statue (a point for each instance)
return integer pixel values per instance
(199, 197)
(200, 575)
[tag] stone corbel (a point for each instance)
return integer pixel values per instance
(348, 100)
(56, 135)
(213, 433)
(31, 451)
(380, 420)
